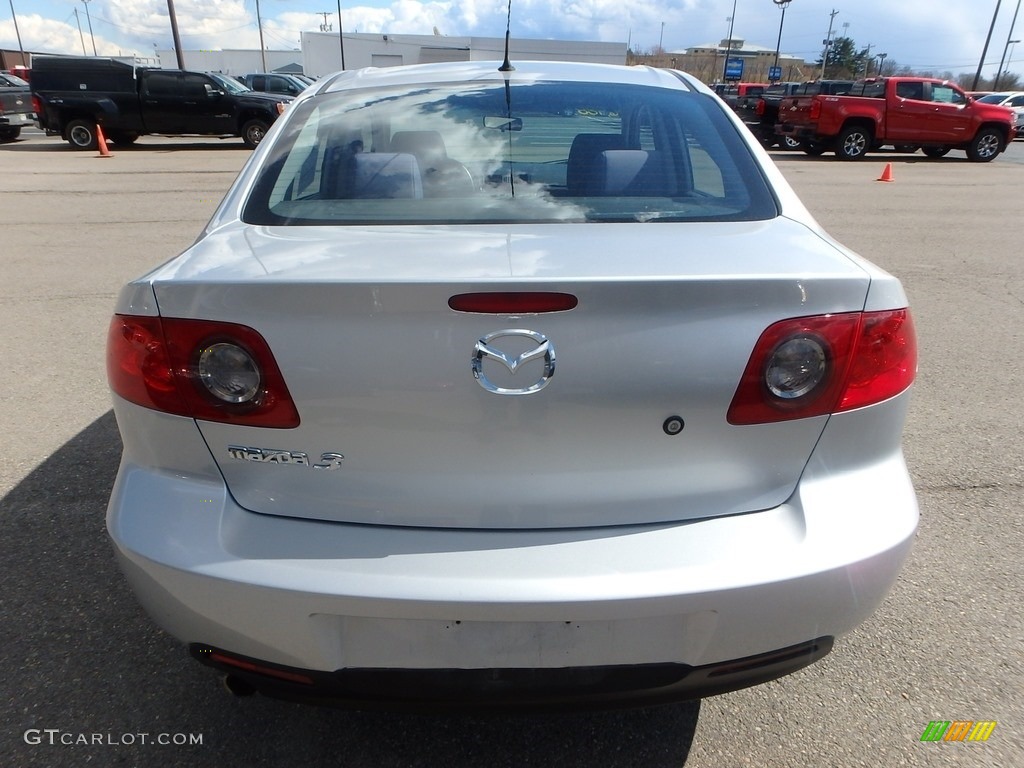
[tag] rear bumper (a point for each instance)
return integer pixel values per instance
(16, 119)
(508, 689)
(634, 613)
(799, 132)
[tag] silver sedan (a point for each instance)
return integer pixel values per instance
(530, 386)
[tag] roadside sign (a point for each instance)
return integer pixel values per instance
(774, 74)
(734, 69)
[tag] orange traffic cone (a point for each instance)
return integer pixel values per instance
(887, 173)
(101, 142)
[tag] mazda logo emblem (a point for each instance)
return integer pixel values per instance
(540, 349)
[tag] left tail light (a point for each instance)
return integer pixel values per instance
(812, 366)
(201, 369)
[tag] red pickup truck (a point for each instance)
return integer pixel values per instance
(910, 112)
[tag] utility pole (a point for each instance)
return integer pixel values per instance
(18, 33)
(325, 27)
(828, 41)
(881, 63)
(661, 39)
(178, 53)
(80, 35)
(984, 50)
(341, 37)
(867, 60)
(89, 18)
(263, 50)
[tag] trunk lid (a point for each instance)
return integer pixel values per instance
(381, 368)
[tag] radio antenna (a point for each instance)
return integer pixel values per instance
(506, 65)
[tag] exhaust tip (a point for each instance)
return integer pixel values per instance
(238, 687)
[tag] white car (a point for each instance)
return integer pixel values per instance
(520, 387)
(1012, 99)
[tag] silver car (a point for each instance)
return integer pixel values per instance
(511, 387)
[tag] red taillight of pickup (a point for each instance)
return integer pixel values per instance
(759, 109)
(37, 105)
(815, 111)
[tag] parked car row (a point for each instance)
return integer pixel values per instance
(74, 95)
(71, 96)
(933, 115)
(759, 108)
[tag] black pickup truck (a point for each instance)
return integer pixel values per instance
(15, 106)
(762, 113)
(72, 95)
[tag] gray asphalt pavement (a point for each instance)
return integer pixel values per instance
(82, 664)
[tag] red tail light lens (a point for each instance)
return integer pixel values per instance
(815, 111)
(759, 109)
(884, 362)
(198, 368)
(812, 366)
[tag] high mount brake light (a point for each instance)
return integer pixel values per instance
(202, 369)
(513, 303)
(812, 366)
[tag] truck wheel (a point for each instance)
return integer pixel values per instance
(853, 143)
(985, 145)
(788, 142)
(81, 134)
(935, 152)
(10, 134)
(253, 132)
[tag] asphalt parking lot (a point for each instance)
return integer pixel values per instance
(88, 680)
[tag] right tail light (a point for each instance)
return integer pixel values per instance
(811, 366)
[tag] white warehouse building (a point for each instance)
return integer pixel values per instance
(321, 53)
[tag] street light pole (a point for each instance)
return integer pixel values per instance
(783, 4)
(728, 43)
(881, 63)
(999, 72)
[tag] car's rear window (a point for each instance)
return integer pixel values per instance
(485, 153)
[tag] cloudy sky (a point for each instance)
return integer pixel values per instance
(937, 35)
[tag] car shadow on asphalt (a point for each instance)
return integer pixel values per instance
(54, 144)
(81, 657)
(876, 158)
